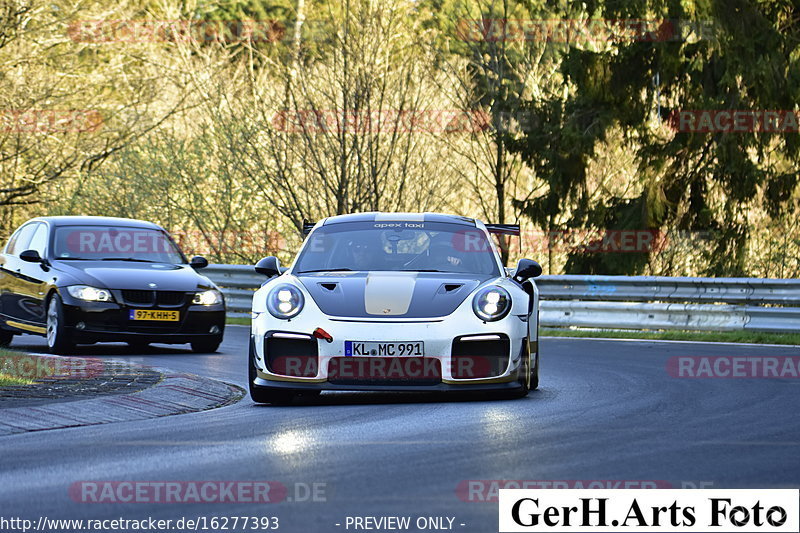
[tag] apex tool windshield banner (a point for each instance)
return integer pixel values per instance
(643, 511)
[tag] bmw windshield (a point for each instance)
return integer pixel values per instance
(115, 243)
(397, 246)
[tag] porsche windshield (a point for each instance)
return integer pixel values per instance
(110, 243)
(398, 246)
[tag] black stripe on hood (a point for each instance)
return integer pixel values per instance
(431, 294)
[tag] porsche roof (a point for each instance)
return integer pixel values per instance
(400, 217)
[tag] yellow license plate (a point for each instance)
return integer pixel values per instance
(154, 314)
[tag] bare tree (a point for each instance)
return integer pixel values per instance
(346, 137)
(58, 118)
(491, 72)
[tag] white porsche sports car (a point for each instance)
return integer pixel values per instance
(395, 301)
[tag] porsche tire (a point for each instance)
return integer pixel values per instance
(206, 345)
(524, 377)
(263, 394)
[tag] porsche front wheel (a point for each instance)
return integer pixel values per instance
(524, 378)
(206, 345)
(535, 374)
(263, 394)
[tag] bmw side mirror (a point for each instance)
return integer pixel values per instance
(269, 266)
(31, 256)
(198, 262)
(527, 269)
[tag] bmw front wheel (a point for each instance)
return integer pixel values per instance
(5, 337)
(58, 341)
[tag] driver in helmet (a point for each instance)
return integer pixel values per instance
(442, 253)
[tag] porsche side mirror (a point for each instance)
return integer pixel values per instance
(269, 266)
(31, 256)
(198, 262)
(526, 269)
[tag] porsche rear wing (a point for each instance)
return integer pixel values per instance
(503, 229)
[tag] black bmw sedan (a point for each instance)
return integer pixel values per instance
(81, 280)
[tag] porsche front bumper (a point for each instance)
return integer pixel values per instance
(449, 361)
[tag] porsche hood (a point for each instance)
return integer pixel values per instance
(390, 294)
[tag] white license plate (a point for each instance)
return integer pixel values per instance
(365, 348)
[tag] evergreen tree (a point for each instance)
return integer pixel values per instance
(692, 180)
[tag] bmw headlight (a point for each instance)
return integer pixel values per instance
(491, 303)
(89, 294)
(285, 301)
(209, 297)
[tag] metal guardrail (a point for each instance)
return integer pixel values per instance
(665, 289)
(619, 302)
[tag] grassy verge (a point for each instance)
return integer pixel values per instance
(6, 379)
(238, 320)
(699, 336)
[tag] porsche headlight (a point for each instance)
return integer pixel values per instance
(89, 294)
(285, 301)
(491, 303)
(209, 297)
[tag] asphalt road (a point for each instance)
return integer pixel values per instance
(606, 410)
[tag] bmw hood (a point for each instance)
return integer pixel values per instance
(127, 275)
(390, 294)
